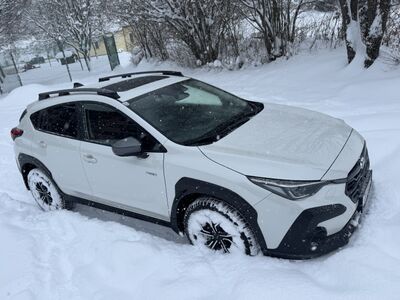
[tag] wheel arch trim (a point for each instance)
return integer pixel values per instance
(28, 163)
(188, 189)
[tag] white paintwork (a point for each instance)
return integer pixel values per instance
(276, 214)
(61, 156)
(129, 181)
(181, 161)
(347, 158)
(280, 142)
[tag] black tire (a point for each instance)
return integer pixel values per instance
(214, 225)
(45, 192)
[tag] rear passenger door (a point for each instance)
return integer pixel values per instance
(57, 143)
(131, 183)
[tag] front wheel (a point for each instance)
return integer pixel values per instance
(215, 225)
(44, 191)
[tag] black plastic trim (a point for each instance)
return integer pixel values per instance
(125, 75)
(102, 92)
(297, 243)
(78, 84)
(120, 211)
(188, 189)
(24, 160)
(23, 115)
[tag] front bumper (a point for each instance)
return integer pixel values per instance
(306, 239)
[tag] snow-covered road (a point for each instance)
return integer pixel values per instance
(90, 254)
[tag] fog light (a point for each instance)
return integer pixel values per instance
(314, 246)
(318, 235)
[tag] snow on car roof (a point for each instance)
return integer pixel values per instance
(131, 83)
(155, 85)
(142, 85)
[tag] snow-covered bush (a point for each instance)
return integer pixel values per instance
(137, 55)
(181, 54)
(317, 30)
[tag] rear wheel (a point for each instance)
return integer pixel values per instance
(44, 191)
(215, 225)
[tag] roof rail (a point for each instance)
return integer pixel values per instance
(102, 92)
(172, 73)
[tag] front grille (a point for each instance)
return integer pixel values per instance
(357, 177)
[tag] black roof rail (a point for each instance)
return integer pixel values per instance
(172, 73)
(102, 92)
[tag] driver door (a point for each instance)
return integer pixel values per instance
(131, 183)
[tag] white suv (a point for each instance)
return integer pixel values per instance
(233, 175)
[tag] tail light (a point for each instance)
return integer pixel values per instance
(16, 132)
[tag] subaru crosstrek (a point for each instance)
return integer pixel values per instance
(232, 175)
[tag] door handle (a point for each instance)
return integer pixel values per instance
(89, 158)
(42, 144)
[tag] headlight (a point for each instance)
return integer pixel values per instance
(293, 190)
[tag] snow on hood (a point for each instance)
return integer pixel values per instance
(282, 142)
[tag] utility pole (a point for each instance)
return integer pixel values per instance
(2, 72)
(16, 68)
(60, 46)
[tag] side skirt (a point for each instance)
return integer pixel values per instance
(116, 210)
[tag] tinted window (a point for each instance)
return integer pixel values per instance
(106, 125)
(192, 112)
(60, 119)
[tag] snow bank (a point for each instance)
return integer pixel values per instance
(87, 255)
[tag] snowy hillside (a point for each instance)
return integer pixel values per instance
(90, 254)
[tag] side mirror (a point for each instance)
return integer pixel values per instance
(127, 147)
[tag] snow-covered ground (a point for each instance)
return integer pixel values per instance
(91, 254)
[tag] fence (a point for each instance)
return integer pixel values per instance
(8, 79)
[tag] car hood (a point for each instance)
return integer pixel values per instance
(282, 142)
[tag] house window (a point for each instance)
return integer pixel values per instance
(131, 37)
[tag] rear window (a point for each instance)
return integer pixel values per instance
(60, 119)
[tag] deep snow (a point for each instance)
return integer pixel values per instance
(86, 255)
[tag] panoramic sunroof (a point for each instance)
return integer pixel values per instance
(129, 84)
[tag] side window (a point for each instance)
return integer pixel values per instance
(106, 125)
(59, 119)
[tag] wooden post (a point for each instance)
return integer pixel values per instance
(16, 68)
(65, 59)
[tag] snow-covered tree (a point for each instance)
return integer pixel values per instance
(150, 35)
(351, 27)
(73, 22)
(201, 25)
(275, 20)
(10, 15)
(10, 21)
(377, 16)
(364, 26)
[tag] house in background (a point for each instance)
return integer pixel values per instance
(123, 40)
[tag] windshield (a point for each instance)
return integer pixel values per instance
(192, 112)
